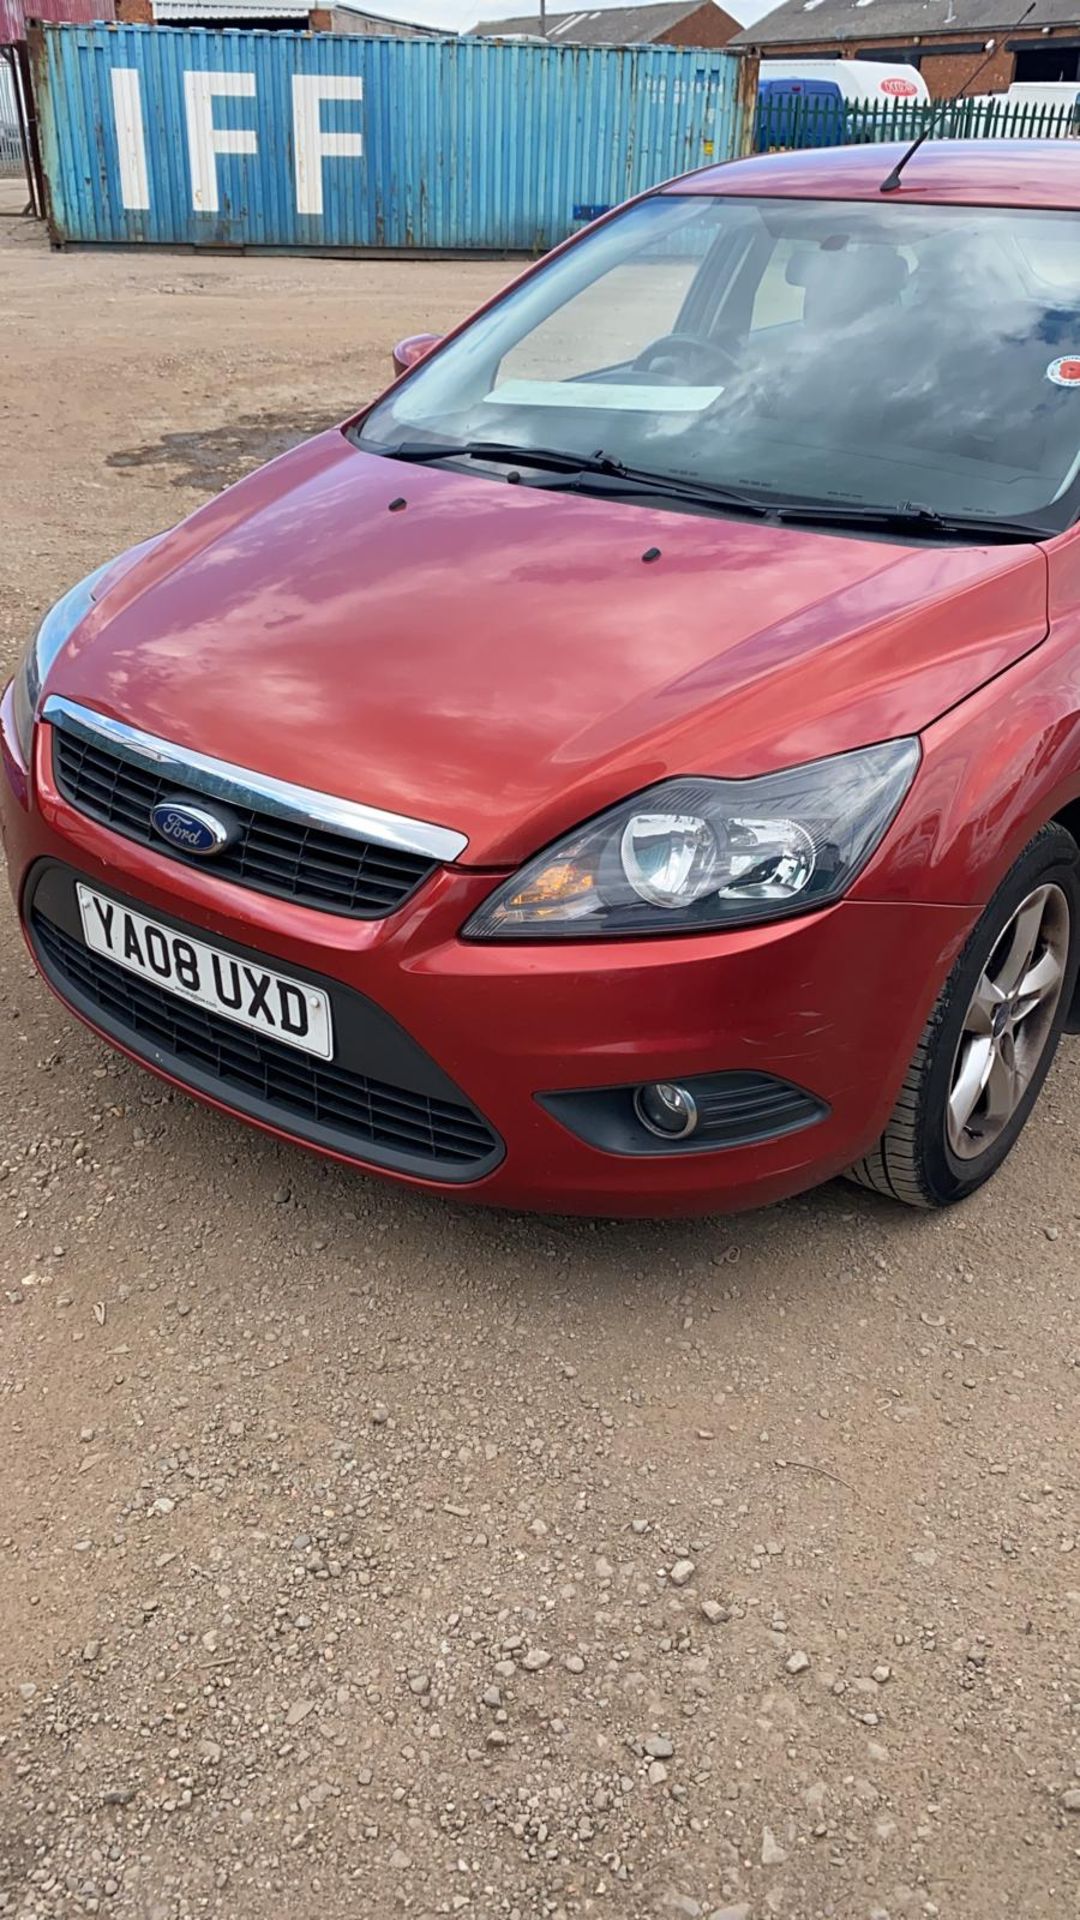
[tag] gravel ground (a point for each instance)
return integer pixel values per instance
(363, 1556)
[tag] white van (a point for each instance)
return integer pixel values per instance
(1044, 93)
(860, 83)
(1037, 109)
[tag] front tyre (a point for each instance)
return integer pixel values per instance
(988, 1044)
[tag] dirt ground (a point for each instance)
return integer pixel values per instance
(340, 1531)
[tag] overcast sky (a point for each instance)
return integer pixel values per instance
(454, 14)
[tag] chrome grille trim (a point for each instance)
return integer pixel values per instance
(201, 773)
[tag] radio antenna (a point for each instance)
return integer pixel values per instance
(895, 178)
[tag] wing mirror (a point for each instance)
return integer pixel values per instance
(408, 352)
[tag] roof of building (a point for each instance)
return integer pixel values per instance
(598, 26)
(391, 22)
(812, 22)
(181, 12)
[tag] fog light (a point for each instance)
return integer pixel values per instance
(666, 1110)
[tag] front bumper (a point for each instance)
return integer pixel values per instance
(833, 1003)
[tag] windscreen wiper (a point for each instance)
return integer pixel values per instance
(615, 482)
(582, 472)
(907, 517)
(545, 459)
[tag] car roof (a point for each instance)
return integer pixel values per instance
(981, 173)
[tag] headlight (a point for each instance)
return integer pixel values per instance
(54, 632)
(692, 853)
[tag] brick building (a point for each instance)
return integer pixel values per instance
(680, 23)
(945, 39)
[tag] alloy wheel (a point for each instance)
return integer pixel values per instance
(1008, 1022)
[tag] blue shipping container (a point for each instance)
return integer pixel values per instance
(178, 136)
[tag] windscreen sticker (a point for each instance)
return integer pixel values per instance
(611, 396)
(1064, 373)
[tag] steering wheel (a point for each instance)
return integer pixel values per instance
(682, 357)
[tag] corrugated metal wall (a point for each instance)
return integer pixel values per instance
(322, 140)
(13, 14)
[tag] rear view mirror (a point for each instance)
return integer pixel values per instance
(408, 352)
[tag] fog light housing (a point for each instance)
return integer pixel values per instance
(736, 1108)
(669, 1111)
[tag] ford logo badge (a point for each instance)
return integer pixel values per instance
(191, 829)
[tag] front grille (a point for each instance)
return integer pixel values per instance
(312, 865)
(313, 1099)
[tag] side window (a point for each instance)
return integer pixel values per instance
(608, 323)
(777, 303)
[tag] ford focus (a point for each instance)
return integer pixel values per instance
(633, 766)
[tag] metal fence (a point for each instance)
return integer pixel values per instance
(256, 139)
(11, 154)
(792, 121)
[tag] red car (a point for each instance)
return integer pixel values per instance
(633, 767)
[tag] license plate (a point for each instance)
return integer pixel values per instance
(251, 995)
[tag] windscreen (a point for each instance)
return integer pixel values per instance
(800, 350)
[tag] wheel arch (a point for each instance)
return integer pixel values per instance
(1068, 817)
